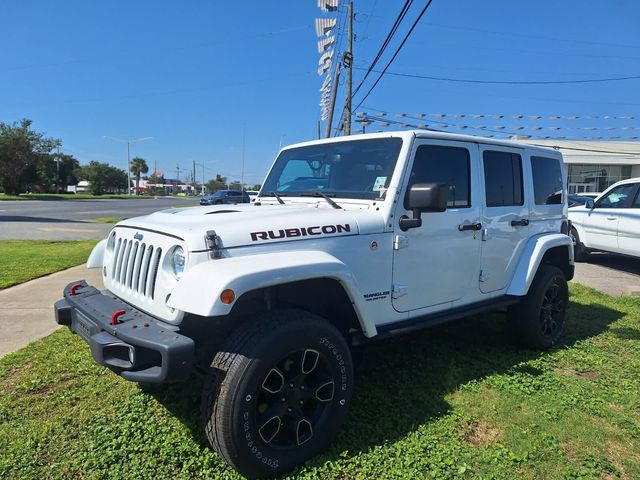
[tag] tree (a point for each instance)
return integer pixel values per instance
(138, 166)
(219, 183)
(102, 177)
(21, 149)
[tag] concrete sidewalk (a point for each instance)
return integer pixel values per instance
(27, 309)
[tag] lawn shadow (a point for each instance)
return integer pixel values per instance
(26, 218)
(403, 382)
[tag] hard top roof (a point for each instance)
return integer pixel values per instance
(409, 134)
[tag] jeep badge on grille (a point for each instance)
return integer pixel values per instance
(138, 236)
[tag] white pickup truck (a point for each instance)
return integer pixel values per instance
(351, 239)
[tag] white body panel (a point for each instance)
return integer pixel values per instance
(439, 264)
(502, 243)
(531, 257)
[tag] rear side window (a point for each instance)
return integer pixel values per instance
(503, 178)
(449, 165)
(547, 180)
(636, 203)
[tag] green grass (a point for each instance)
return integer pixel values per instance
(457, 401)
(22, 260)
(105, 219)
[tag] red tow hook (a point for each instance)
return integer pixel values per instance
(74, 287)
(115, 315)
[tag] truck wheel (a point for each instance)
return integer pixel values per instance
(278, 392)
(580, 254)
(539, 319)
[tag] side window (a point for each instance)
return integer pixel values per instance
(616, 198)
(449, 165)
(636, 203)
(547, 180)
(503, 178)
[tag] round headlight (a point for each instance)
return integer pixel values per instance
(178, 261)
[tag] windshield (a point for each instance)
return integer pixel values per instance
(351, 169)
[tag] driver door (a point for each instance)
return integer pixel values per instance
(438, 262)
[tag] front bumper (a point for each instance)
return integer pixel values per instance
(138, 347)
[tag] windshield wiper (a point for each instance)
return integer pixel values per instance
(274, 194)
(318, 193)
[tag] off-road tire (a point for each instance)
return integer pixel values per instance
(538, 320)
(580, 253)
(242, 379)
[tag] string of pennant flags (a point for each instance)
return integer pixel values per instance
(512, 117)
(325, 27)
(499, 131)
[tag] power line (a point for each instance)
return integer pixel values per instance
(524, 35)
(506, 82)
(385, 43)
(415, 23)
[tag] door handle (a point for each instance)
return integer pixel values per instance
(520, 223)
(470, 226)
(612, 218)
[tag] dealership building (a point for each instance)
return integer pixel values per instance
(592, 166)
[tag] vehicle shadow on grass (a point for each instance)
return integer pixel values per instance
(24, 218)
(403, 382)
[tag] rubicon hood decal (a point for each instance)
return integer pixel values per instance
(300, 232)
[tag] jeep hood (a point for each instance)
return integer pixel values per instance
(248, 224)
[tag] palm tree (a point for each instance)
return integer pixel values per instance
(138, 166)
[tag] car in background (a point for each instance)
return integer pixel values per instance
(225, 197)
(610, 223)
(253, 194)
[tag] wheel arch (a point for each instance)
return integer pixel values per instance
(550, 249)
(309, 277)
(325, 297)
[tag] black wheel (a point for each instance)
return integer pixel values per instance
(278, 392)
(580, 254)
(539, 319)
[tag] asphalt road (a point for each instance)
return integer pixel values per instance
(70, 219)
(612, 274)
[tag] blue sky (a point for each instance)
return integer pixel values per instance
(194, 75)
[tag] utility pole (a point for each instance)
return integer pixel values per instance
(128, 142)
(242, 173)
(58, 166)
(334, 91)
(348, 60)
(177, 176)
(203, 178)
(194, 176)
(129, 168)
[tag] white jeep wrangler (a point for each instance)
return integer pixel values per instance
(350, 239)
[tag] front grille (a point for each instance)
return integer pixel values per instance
(135, 266)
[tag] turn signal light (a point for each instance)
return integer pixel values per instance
(227, 297)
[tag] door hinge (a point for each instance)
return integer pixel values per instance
(484, 275)
(399, 290)
(400, 241)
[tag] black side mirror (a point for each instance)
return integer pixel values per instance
(423, 197)
(590, 204)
